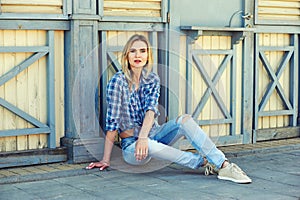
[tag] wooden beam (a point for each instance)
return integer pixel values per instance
(25, 131)
(32, 157)
(277, 133)
(33, 24)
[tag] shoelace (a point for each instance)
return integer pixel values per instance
(209, 169)
(237, 168)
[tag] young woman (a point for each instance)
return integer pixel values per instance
(132, 100)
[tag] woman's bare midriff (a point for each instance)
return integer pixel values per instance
(126, 134)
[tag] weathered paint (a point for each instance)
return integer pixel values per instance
(32, 6)
(276, 93)
(26, 92)
(278, 12)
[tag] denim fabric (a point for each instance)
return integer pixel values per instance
(160, 142)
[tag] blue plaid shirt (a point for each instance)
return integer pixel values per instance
(126, 109)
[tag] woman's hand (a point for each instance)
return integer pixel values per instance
(102, 165)
(141, 149)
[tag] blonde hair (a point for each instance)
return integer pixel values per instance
(124, 59)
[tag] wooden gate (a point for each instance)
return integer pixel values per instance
(276, 85)
(213, 83)
(215, 107)
(276, 95)
(31, 96)
(36, 126)
(32, 81)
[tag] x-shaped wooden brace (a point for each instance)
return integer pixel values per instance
(211, 86)
(8, 76)
(275, 77)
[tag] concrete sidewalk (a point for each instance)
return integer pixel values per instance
(273, 167)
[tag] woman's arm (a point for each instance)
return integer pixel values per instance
(109, 143)
(152, 92)
(108, 146)
(141, 148)
(147, 124)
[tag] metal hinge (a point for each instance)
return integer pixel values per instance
(168, 17)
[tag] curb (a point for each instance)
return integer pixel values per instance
(45, 176)
(266, 150)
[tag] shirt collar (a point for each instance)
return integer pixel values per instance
(145, 79)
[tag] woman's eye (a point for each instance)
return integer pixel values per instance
(143, 50)
(132, 50)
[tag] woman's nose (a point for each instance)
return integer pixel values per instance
(137, 53)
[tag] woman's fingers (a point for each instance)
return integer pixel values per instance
(90, 166)
(101, 165)
(141, 149)
(146, 153)
(141, 154)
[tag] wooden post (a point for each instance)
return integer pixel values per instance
(248, 80)
(82, 138)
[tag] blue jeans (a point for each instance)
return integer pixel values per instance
(159, 145)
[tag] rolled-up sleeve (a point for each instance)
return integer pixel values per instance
(152, 93)
(114, 101)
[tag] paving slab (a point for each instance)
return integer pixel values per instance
(275, 176)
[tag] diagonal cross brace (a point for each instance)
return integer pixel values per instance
(275, 77)
(22, 114)
(211, 86)
(114, 61)
(22, 66)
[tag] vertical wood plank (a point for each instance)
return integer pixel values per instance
(225, 43)
(22, 100)
(224, 85)
(295, 75)
(103, 76)
(153, 40)
(42, 88)
(59, 85)
(259, 79)
(50, 87)
(215, 130)
(121, 41)
(112, 40)
(208, 62)
(286, 80)
(10, 90)
(275, 100)
(282, 80)
(239, 83)
(2, 63)
(193, 89)
(265, 79)
(189, 77)
(33, 85)
(258, 82)
(199, 82)
(182, 71)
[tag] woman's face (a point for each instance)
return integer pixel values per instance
(138, 54)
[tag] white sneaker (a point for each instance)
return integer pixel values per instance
(233, 173)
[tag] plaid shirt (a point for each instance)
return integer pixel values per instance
(126, 109)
